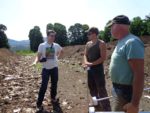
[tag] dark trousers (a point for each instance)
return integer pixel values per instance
(46, 74)
(96, 84)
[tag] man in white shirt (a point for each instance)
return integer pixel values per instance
(48, 53)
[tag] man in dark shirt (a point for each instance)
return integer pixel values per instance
(94, 56)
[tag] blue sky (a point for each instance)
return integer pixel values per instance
(22, 15)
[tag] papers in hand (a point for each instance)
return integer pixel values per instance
(147, 96)
(88, 68)
(33, 64)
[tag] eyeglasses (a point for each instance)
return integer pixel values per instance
(89, 34)
(52, 35)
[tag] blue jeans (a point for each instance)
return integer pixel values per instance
(121, 96)
(46, 74)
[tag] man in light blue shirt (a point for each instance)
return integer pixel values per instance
(126, 67)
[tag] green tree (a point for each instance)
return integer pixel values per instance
(3, 37)
(77, 34)
(35, 37)
(148, 27)
(101, 34)
(85, 28)
(50, 26)
(145, 28)
(136, 26)
(106, 34)
(147, 24)
(61, 33)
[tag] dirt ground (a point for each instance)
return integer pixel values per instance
(19, 83)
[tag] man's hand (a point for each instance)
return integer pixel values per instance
(88, 64)
(84, 66)
(130, 108)
(59, 53)
(33, 64)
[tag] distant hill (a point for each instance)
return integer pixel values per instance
(19, 45)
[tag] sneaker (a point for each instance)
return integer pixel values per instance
(39, 109)
(98, 108)
(91, 104)
(54, 100)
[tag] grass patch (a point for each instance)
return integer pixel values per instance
(39, 67)
(25, 52)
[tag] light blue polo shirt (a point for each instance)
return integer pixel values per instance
(129, 47)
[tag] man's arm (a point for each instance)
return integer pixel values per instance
(84, 57)
(137, 66)
(59, 53)
(102, 53)
(86, 63)
(37, 59)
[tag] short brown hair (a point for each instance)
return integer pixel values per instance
(93, 30)
(50, 31)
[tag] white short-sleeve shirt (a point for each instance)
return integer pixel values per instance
(49, 51)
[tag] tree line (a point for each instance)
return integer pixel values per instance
(76, 34)
(138, 27)
(3, 37)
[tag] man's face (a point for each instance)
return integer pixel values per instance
(91, 35)
(51, 37)
(114, 30)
